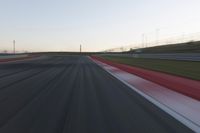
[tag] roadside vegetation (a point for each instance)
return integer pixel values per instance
(188, 69)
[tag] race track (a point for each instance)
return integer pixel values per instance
(71, 94)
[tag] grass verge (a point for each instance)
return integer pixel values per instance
(186, 69)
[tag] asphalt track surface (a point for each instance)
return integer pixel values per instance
(71, 94)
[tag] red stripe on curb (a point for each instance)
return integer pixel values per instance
(182, 85)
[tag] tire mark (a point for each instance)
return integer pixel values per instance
(36, 95)
(24, 78)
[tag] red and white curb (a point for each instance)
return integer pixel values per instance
(181, 107)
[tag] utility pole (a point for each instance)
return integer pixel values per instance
(80, 48)
(14, 46)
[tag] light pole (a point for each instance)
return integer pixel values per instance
(14, 46)
(146, 41)
(80, 48)
(143, 40)
(157, 36)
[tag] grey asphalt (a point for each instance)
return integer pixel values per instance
(71, 94)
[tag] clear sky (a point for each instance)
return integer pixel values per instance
(62, 25)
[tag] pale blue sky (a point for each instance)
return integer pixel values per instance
(61, 25)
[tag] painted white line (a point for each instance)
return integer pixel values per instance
(166, 105)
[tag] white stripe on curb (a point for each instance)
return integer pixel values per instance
(171, 111)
